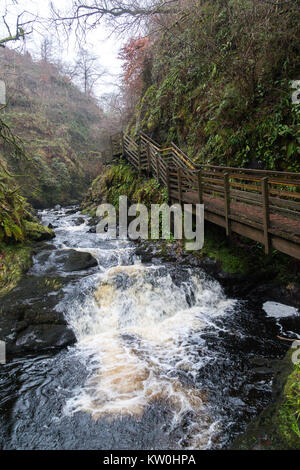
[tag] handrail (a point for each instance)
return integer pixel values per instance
(251, 170)
(189, 161)
(150, 139)
(263, 205)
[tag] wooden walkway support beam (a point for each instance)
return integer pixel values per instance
(179, 185)
(227, 204)
(266, 214)
(200, 186)
(157, 167)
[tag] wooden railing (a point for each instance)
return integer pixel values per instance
(259, 204)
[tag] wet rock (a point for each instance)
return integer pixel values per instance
(92, 230)
(72, 210)
(37, 232)
(288, 295)
(73, 260)
(209, 265)
(264, 431)
(79, 221)
(39, 337)
(29, 320)
(52, 262)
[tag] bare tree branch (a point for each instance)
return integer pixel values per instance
(121, 15)
(20, 29)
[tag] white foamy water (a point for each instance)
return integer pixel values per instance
(163, 359)
(135, 333)
(277, 310)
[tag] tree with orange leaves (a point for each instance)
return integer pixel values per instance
(136, 56)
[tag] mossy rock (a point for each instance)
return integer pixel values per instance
(14, 261)
(37, 232)
(277, 427)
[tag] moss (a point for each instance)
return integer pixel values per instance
(37, 232)
(288, 412)
(14, 261)
(277, 427)
(219, 105)
(89, 210)
(217, 247)
(54, 284)
(240, 255)
(122, 180)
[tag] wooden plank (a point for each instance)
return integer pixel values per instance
(253, 171)
(123, 145)
(179, 185)
(157, 167)
(149, 139)
(266, 214)
(279, 181)
(139, 159)
(168, 181)
(286, 246)
(148, 157)
(227, 203)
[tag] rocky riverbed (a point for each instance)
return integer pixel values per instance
(112, 344)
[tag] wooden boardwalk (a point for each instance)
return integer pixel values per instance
(258, 204)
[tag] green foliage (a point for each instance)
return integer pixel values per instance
(16, 222)
(14, 260)
(59, 126)
(221, 84)
(122, 180)
(288, 416)
(277, 428)
(246, 257)
(13, 209)
(37, 232)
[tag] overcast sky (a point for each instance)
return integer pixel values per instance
(99, 42)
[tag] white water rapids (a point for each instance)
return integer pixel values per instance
(163, 359)
(137, 332)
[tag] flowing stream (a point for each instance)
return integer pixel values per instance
(163, 359)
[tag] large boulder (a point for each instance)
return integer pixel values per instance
(73, 260)
(53, 262)
(37, 232)
(29, 320)
(44, 336)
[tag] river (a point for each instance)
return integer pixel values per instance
(163, 359)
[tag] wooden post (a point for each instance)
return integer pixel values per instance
(123, 147)
(200, 187)
(157, 166)
(148, 157)
(168, 181)
(227, 203)
(266, 214)
(139, 157)
(179, 185)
